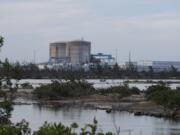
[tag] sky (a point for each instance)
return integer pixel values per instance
(149, 29)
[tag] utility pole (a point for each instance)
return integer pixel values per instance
(129, 57)
(116, 55)
(34, 56)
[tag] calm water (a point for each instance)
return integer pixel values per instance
(141, 84)
(140, 125)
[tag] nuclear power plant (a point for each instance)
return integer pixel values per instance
(74, 52)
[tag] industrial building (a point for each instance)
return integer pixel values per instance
(104, 59)
(70, 52)
(157, 66)
(165, 65)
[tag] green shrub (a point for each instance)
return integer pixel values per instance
(8, 130)
(164, 96)
(59, 89)
(155, 89)
(53, 129)
(5, 113)
(21, 128)
(60, 129)
(122, 90)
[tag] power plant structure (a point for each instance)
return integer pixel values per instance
(70, 52)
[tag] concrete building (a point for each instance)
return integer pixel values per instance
(165, 65)
(104, 59)
(157, 66)
(74, 52)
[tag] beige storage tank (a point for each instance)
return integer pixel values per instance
(74, 52)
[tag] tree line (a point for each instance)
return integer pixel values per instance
(31, 71)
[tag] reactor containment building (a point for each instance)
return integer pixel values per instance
(70, 52)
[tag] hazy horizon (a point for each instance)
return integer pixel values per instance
(150, 29)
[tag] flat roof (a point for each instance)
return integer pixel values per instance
(65, 42)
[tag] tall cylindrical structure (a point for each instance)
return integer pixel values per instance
(74, 52)
(79, 51)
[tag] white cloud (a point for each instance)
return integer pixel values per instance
(36, 13)
(155, 21)
(48, 20)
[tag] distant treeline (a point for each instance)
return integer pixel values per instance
(31, 71)
(97, 72)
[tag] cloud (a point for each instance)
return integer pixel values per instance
(40, 16)
(157, 22)
(33, 24)
(29, 16)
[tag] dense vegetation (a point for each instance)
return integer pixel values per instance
(122, 91)
(22, 128)
(5, 108)
(30, 70)
(78, 88)
(5, 102)
(97, 71)
(59, 129)
(9, 72)
(165, 96)
(59, 89)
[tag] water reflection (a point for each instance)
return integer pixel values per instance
(127, 122)
(67, 112)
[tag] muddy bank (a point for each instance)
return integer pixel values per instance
(139, 109)
(136, 104)
(148, 109)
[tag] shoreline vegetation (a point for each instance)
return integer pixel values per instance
(158, 100)
(22, 128)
